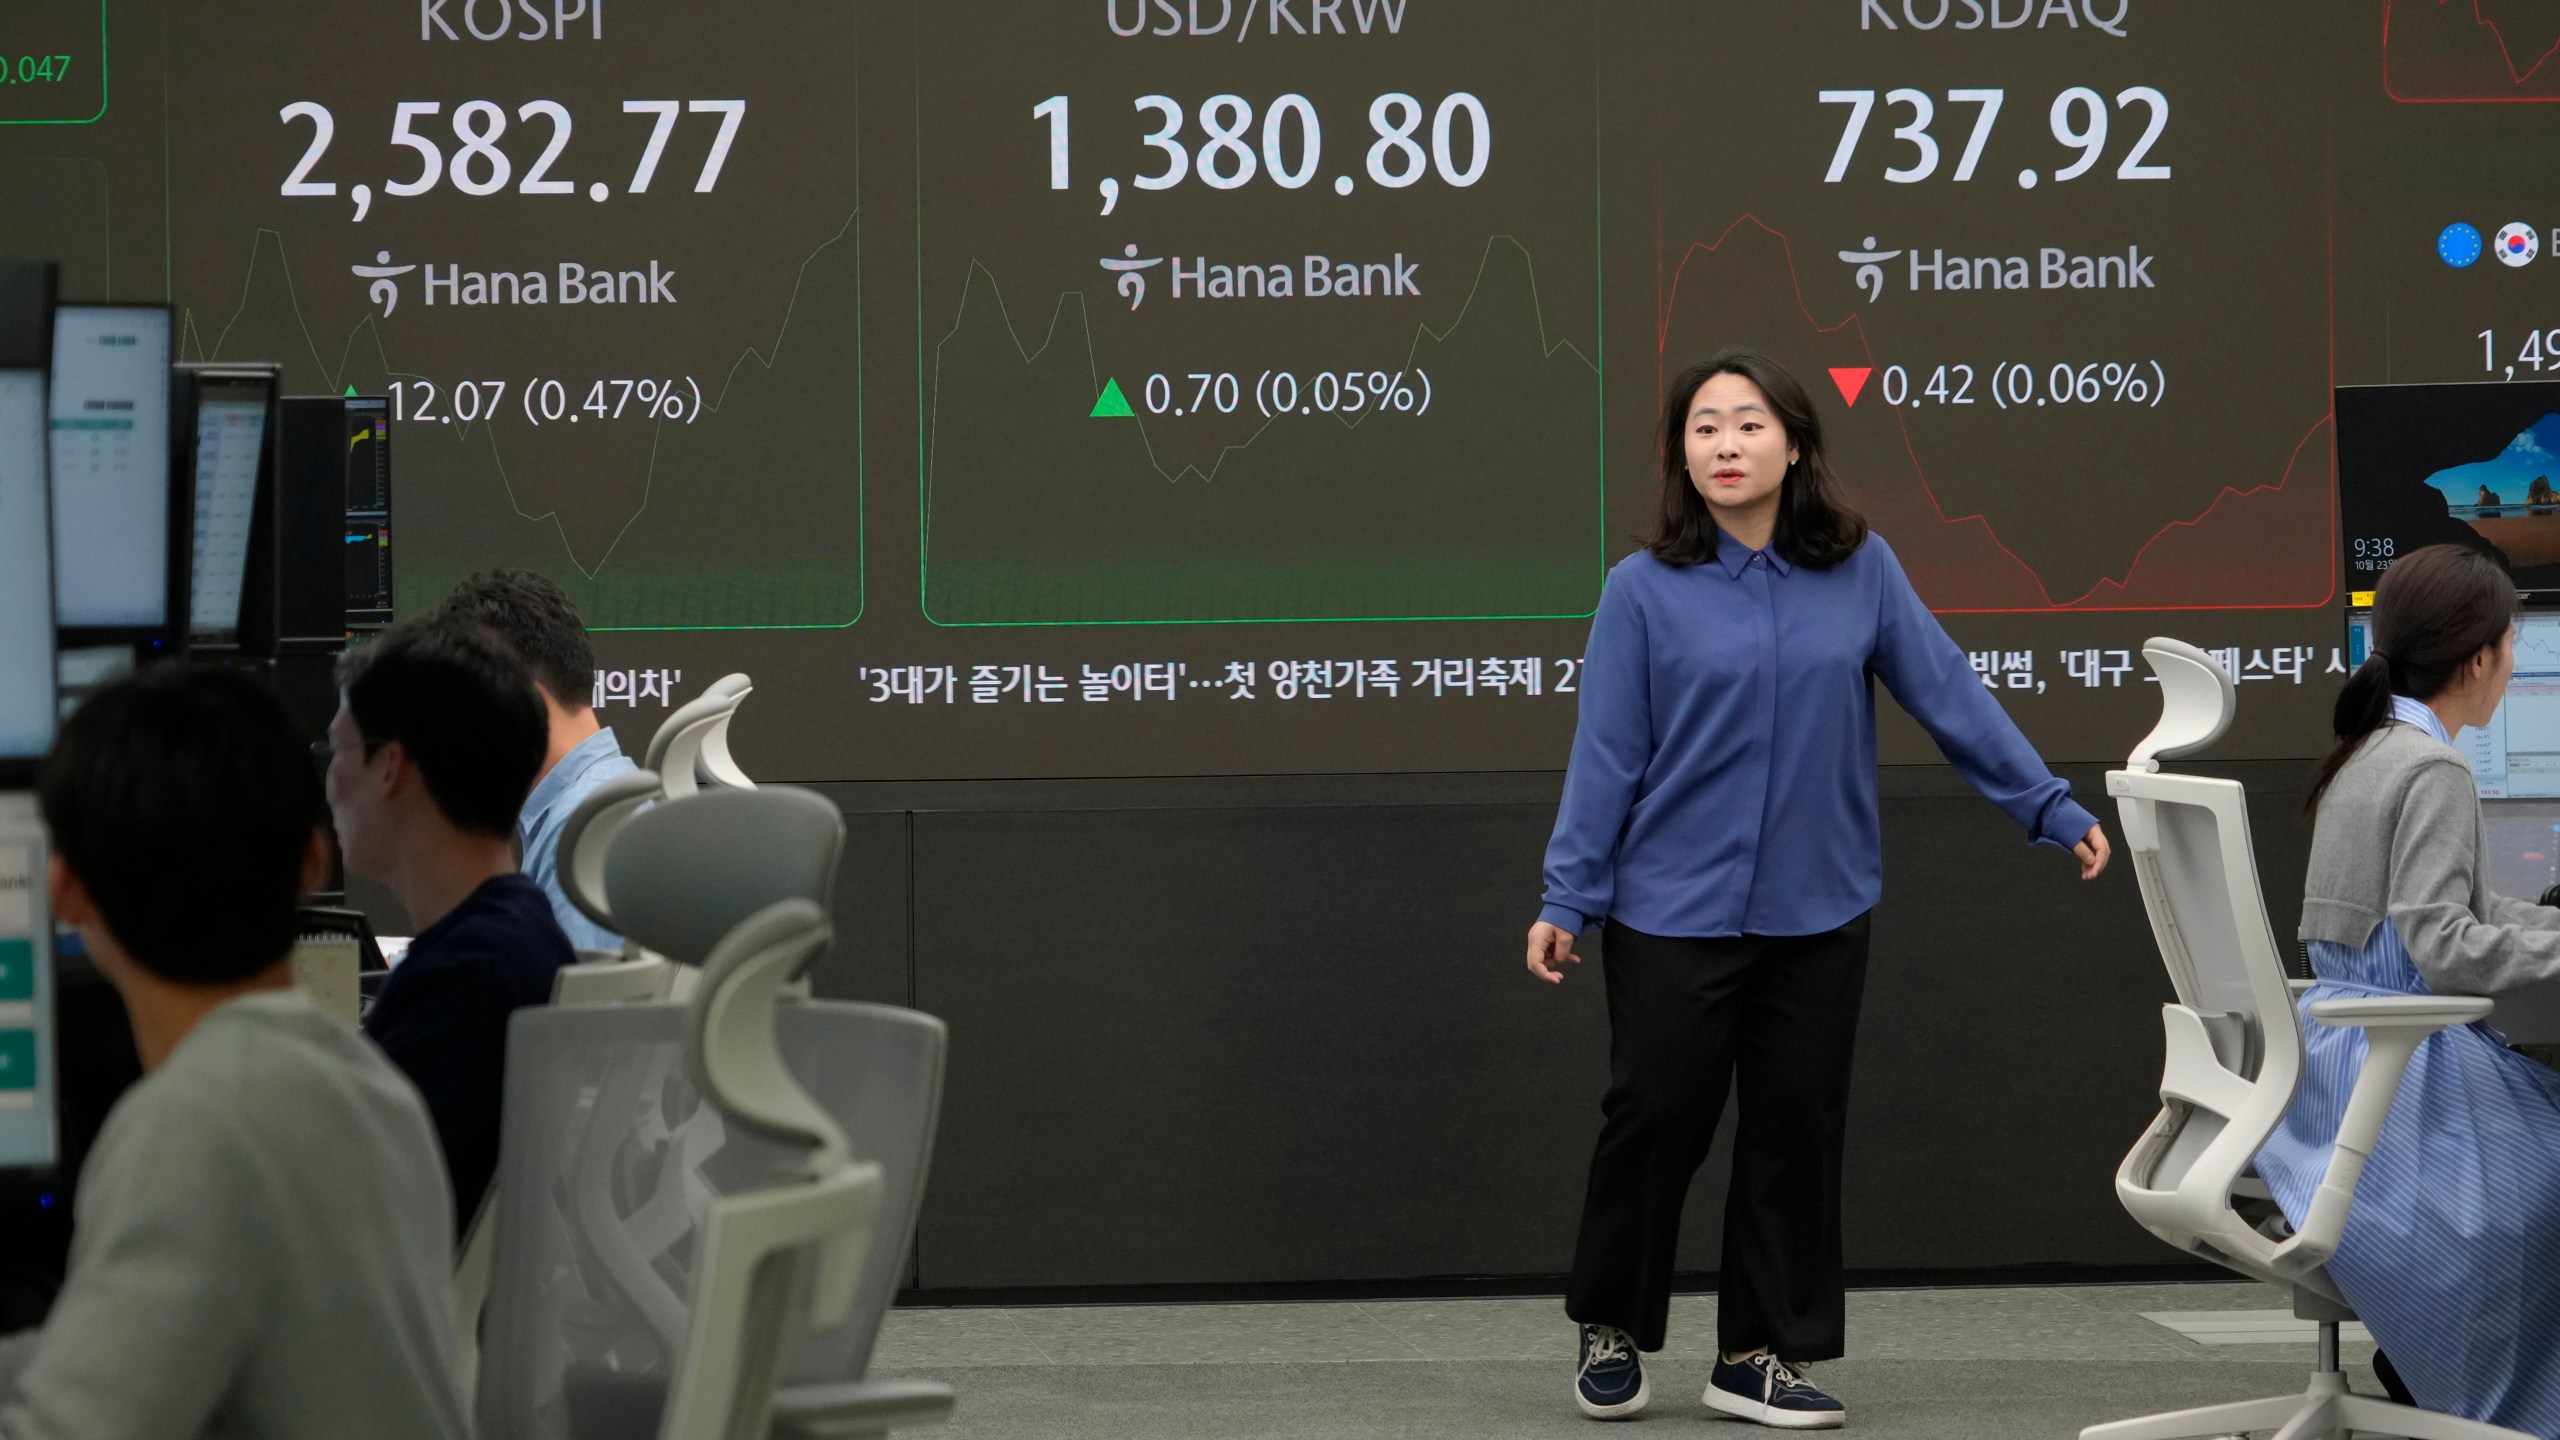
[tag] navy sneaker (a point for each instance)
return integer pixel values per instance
(1769, 1391)
(1609, 1385)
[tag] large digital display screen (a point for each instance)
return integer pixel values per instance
(1130, 387)
(111, 465)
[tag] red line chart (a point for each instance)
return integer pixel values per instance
(2266, 546)
(2454, 52)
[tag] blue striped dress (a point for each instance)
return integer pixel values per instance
(2451, 1254)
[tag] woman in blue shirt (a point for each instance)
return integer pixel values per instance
(1720, 815)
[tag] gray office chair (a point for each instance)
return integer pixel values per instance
(682, 874)
(2234, 1062)
(691, 748)
(585, 838)
(627, 976)
(616, 1167)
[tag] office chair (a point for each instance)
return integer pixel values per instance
(2234, 1062)
(691, 748)
(624, 977)
(587, 835)
(652, 1154)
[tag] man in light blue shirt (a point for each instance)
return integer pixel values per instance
(537, 622)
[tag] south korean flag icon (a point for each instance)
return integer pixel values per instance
(2517, 244)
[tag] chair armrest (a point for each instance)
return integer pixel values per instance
(2298, 986)
(2374, 1012)
(858, 1408)
(2394, 1027)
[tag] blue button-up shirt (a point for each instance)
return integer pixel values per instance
(2420, 714)
(1723, 779)
(592, 762)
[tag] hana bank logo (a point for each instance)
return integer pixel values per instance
(385, 276)
(1133, 283)
(1869, 275)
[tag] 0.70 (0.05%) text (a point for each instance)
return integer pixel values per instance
(1282, 392)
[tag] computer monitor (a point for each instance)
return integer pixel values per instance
(229, 418)
(2516, 756)
(331, 453)
(26, 579)
(2475, 465)
(111, 462)
(26, 525)
(368, 529)
(28, 1133)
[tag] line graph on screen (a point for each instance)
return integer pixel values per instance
(2265, 545)
(1484, 505)
(748, 519)
(2470, 52)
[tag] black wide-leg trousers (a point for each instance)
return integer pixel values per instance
(1772, 1018)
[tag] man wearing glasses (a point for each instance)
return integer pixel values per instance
(435, 745)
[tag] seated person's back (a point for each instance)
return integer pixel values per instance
(2445, 1252)
(434, 745)
(442, 1017)
(263, 1243)
(536, 621)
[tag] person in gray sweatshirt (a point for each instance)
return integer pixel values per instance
(263, 1241)
(2447, 1253)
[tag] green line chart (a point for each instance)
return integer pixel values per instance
(1042, 507)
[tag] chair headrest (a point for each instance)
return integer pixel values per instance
(2197, 701)
(588, 836)
(730, 1035)
(685, 872)
(714, 765)
(701, 710)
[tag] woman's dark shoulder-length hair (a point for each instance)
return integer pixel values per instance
(1817, 526)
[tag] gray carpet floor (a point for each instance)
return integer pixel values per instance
(1960, 1364)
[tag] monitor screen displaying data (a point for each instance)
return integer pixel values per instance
(2517, 754)
(369, 599)
(27, 1136)
(26, 571)
(111, 465)
(231, 435)
(1034, 389)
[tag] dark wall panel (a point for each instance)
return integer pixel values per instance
(869, 960)
(1247, 1045)
(1196, 1044)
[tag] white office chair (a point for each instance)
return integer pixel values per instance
(679, 1184)
(586, 837)
(691, 748)
(630, 976)
(2234, 1062)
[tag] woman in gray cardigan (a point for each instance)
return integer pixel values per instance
(2449, 1252)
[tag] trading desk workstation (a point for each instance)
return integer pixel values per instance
(151, 510)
